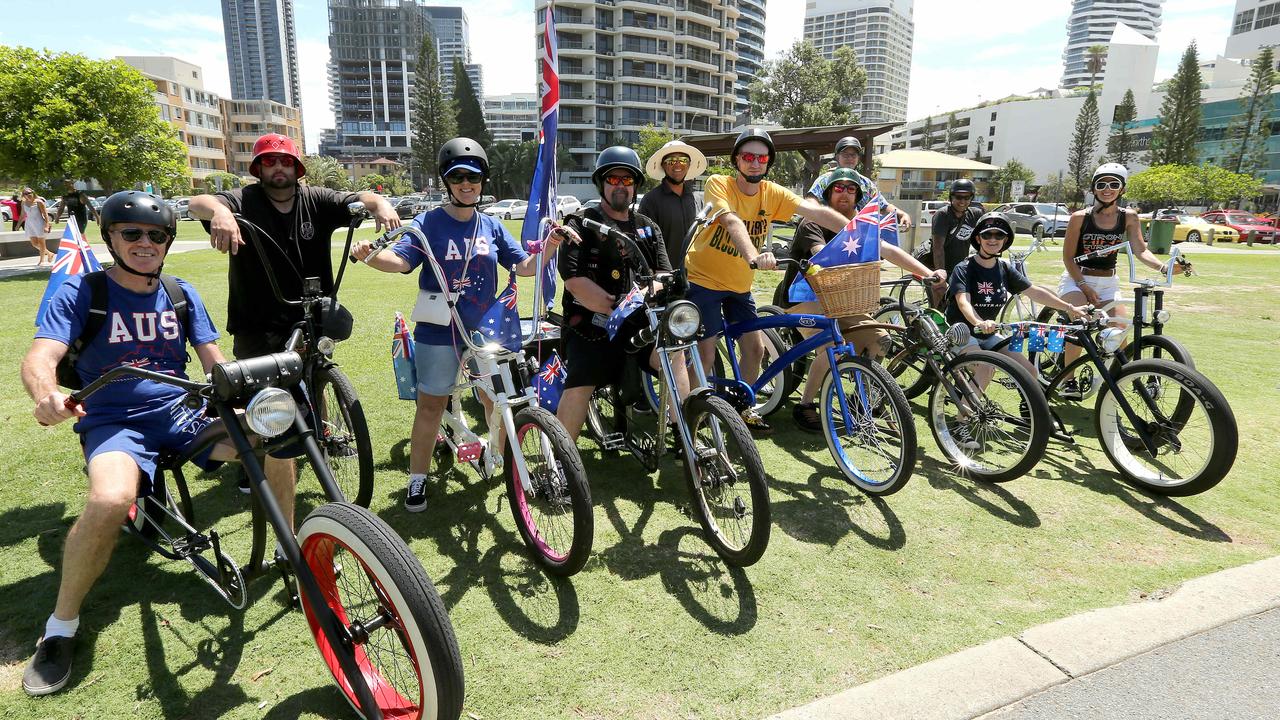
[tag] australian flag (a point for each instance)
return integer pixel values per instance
(858, 242)
(626, 306)
(75, 257)
(501, 322)
(402, 360)
(540, 216)
(550, 382)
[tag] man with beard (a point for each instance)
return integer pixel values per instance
(598, 274)
(672, 204)
(299, 221)
(721, 257)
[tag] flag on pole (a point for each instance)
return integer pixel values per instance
(549, 383)
(402, 360)
(501, 322)
(542, 210)
(74, 257)
(858, 242)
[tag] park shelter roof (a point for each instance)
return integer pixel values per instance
(930, 160)
(820, 140)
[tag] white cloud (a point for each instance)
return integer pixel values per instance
(504, 42)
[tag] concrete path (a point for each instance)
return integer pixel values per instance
(1064, 654)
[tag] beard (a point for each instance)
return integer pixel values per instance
(278, 182)
(619, 200)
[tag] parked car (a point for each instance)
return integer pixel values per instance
(407, 207)
(1037, 219)
(486, 201)
(1196, 229)
(8, 210)
(592, 203)
(567, 205)
(1243, 223)
(508, 209)
(928, 208)
(182, 206)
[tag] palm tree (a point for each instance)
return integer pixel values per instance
(1097, 54)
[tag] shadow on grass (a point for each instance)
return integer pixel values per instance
(718, 596)
(991, 497)
(316, 702)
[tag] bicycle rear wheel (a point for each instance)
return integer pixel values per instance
(989, 416)
(727, 481)
(876, 451)
(905, 364)
(1194, 429)
(601, 419)
(555, 518)
(400, 633)
(343, 435)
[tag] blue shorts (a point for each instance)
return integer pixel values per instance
(985, 343)
(717, 306)
(171, 428)
(437, 368)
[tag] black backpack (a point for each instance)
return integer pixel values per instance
(97, 282)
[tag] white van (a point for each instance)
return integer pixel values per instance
(928, 208)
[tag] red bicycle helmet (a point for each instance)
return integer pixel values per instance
(275, 144)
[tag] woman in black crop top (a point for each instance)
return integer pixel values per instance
(1093, 281)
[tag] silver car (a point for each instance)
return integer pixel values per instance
(1037, 219)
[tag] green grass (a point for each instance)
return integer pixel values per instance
(851, 588)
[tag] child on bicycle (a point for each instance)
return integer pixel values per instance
(469, 247)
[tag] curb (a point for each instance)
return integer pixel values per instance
(979, 680)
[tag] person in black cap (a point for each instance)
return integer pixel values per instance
(848, 154)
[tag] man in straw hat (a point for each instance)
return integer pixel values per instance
(671, 204)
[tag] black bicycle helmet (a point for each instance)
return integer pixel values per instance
(463, 152)
(617, 156)
(136, 206)
(848, 141)
(990, 221)
(962, 185)
(746, 136)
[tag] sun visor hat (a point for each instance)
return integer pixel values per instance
(464, 165)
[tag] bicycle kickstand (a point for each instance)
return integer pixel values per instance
(1059, 430)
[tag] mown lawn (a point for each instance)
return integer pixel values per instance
(851, 587)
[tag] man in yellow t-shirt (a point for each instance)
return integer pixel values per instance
(720, 258)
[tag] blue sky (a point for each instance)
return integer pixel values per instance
(964, 52)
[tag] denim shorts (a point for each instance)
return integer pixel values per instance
(437, 368)
(717, 306)
(985, 343)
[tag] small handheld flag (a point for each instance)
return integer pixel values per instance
(501, 322)
(549, 383)
(74, 257)
(626, 306)
(402, 360)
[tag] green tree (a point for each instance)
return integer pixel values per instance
(802, 89)
(651, 140)
(1173, 140)
(325, 171)
(949, 140)
(1058, 188)
(1248, 132)
(977, 146)
(1003, 178)
(394, 183)
(64, 115)
(1096, 59)
(1120, 144)
(433, 115)
(470, 116)
(1084, 143)
(926, 140)
(214, 182)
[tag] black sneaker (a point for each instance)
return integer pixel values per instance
(964, 438)
(50, 667)
(1071, 390)
(415, 497)
(242, 480)
(756, 424)
(806, 417)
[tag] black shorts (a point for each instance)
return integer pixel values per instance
(255, 344)
(593, 361)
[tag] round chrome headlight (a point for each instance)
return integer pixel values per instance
(1162, 316)
(683, 320)
(326, 346)
(958, 335)
(271, 412)
(1111, 339)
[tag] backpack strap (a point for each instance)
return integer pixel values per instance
(97, 283)
(177, 298)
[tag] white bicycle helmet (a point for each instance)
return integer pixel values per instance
(1115, 170)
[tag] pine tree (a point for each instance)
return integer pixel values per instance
(926, 141)
(1120, 143)
(950, 137)
(1173, 141)
(470, 116)
(1084, 143)
(433, 116)
(1248, 132)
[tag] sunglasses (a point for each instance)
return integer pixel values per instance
(1108, 185)
(762, 158)
(962, 198)
(616, 180)
(992, 235)
(675, 160)
(133, 235)
(844, 188)
(457, 178)
(281, 160)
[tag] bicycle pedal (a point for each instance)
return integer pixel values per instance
(614, 441)
(470, 452)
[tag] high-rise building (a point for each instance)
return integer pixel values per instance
(513, 118)
(1255, 25)
(262, 50)
(882, 33)
(373, 47)
(750, 49)
(195, 113)
(670, 65)
(452, 35)
(1093, 21)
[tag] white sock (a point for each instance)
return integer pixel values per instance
(61, 628)
(417, 476)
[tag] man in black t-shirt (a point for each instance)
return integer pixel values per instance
(952, 227)
(597, 274)
(75, 204)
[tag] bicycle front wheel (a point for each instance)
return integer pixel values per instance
(989, 416)
(554, 514)
(400, 635)
(727, 481)
(343, 435)
(1193, 428)
(906, 364)
(1018, 309)
(876, 448)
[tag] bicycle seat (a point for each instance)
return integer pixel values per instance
(168, 459)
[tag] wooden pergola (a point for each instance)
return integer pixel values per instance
(812, 142)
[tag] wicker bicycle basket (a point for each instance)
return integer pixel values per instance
(847, 290)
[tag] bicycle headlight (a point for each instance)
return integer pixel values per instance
(1162, 316)
(1111, 339)
(683, 320)
(326, 346)
(958, 335)
(271, 412)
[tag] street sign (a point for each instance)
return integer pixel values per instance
(1016, 188)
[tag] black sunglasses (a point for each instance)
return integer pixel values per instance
(457, 178)
(133, 235)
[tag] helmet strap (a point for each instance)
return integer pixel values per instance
(151, 277)
(985, 256)
(454, 201)
(670, 180)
